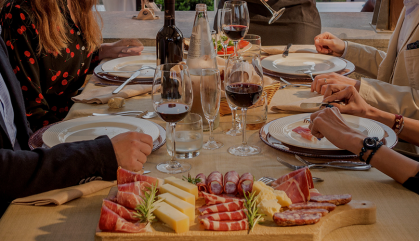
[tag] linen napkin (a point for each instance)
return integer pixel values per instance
(289, 99)
(64, 195)
(104, 94)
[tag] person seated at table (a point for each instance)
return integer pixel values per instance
(394, 76)
(51, 45)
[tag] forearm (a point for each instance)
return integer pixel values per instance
(367, 59)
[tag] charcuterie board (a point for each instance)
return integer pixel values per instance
(353, 213)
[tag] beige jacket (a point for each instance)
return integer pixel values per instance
(394, 86)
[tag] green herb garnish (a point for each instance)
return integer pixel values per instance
(191, 179)
(144, 211)
(252, 210)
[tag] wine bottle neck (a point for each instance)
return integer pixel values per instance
(169, 12)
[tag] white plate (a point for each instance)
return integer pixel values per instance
(296, 63)
(132, 63)
(89, 128)
(281, 129)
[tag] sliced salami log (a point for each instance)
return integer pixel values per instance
(138, 188)
(217, 199)
(323, 212)
(225, 216)
(245, 183)
(312, 205)
(215, 183)
(202, 185)
(122, 211)
(126, 176)
(225, 226)
(223, 207)
(296, 187)
(296, 218)
(110, 221)
(128, 199)
(231, 181)
(334, 199)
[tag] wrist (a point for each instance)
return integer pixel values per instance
(381, 116)
(103, 51)
(356, 143)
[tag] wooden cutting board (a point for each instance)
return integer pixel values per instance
(353, 213)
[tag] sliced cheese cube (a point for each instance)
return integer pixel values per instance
(160, 182)
(184, 185)
(181, 194)
(178, 221)
(269, 208)
(184, 207)
(282, 198)
(265, 194)
(258, 186)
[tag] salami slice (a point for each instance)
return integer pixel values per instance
(215, 183)
(296, 218)
(312, 205)
(216, 199)
(225, 216)
(202, 186)
(334, 199)
(323, 212)
(138, 188)
(225, 226)
(223, 207)
(122, 211)
(231, 181)
(245, 183)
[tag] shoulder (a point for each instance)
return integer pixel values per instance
(16, 12)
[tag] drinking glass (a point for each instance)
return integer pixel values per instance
(255, 41)
(244, 85)
(210, 90)
(236, 129)
(236, 24)
(172, 99)
(224, 40)
(274, 14)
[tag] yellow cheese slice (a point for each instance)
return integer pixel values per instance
(181, 194)
(184, 207)
(282, 198)
(178, 221)
(258, 186)
(269, 208)
(160, 182)
(186, 186)
(265, 194)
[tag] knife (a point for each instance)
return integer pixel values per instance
(317, 105)
(286, 51)
(117, 90)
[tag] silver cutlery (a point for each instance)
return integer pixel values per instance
(286, 51)
(332, 162)
(309, 73)
(294, 85)
(269, 180)
(146, 172)
(125, 71)
(117, 90)
(123, 113)
(294, 168)
(353, 168)
(318, 105)
(148, 115)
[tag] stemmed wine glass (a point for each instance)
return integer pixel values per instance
(274, 14)
(210, 90)
(236, 24)
(244, 85)
(172, 98)
(224, 40)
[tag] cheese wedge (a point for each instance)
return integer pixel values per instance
(258, 186)
(184, 185)
(265, 194)
(282, 198)
(178, 221)
(269, 208)
(184, 207)
(181, 194)
(160, 182)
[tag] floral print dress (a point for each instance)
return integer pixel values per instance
(48, 80)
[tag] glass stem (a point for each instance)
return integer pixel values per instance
(211, 138)
(225, 52)
(173, 163)
(236, 47)
(234, 119)
(244, 143)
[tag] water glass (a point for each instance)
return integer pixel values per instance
(255, 41)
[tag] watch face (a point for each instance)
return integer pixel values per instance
(370, 142)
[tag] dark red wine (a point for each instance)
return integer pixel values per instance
(244, 94)
(235, 32)
(172, 112)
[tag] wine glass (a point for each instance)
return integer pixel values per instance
(236, 24)
(236, 129)
(224, 40)
(274, 14)
(244, 85)
(210, 90)
(172, 99)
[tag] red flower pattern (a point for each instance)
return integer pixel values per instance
(27, 54)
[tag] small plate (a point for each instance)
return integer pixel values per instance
(132, 63)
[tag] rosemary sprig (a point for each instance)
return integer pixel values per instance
(252, 210)
(190, 179)
(144, 211)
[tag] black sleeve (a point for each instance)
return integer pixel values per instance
(412, 183)
(24, 173)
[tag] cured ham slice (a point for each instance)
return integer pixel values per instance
(122, 211)
(216, 199)
(110, 221)
(223, 207)
(245, 183)
(225, 216)
(294, 173)
(314, 192)
(202, 185)
(296, 188)
(305, 133)
(231, 181)
(126, 176)
(128, 199)
(138, 188)
(225, 226)
(215, 183)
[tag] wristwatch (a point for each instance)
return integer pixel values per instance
(369, 143)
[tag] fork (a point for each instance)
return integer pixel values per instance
(309, 73)
(353, 168)
(294, 85)
(119, 113)
(268, 180)
(331, 162)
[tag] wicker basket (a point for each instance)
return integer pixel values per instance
(269, 89)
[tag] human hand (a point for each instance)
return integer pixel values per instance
(122, 48)
(321, 81)
(326, 43)
(132, 149)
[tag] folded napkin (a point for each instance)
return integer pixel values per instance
(104, 94)
(64, 195)
(289, 99)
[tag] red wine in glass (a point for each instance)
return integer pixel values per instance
(244, 95)
(235, 32)
(172, 112)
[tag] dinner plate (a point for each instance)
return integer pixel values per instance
(297, 63)
(89, 128)
(132, 63)
(281, 129)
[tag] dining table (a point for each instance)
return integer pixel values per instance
(397, 208)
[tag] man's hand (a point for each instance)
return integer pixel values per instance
(327, 43)
(321, 82)
(132, 149)
(122, 48)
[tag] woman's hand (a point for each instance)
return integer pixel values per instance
(122, 48)
(321, 82)
(326, 43)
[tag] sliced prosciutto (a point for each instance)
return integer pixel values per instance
(245, 183)
(217, 199)
(202, 185)
(111, 222)
(225, 216)
(314, 192)
(122, 211)
(223, 207)
(215, 183)
(128, 199)
(224, 225)
(305, 133)
(231, 181)
(294, 173)
(126, 176)
(138, 188)
(296, 188)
